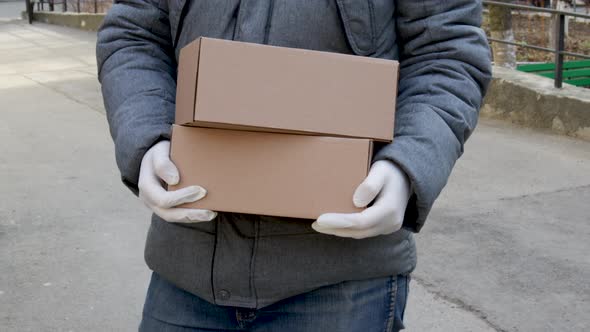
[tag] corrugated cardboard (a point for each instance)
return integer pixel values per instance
(237, 85)
(270, 174)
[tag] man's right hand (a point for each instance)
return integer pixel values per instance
(156, 167)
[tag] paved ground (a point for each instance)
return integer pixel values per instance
(506, 247)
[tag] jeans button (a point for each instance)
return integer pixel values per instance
(224, 294)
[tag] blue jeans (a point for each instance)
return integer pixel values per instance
(367, 305)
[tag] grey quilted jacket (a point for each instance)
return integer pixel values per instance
(253, 261)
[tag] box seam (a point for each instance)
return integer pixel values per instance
(195, 100)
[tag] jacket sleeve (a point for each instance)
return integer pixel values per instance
(137, 71)
(444, 72)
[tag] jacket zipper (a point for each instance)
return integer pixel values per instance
(236, 35)
(271, 8)
(180, 21)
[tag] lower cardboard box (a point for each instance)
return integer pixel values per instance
(271, 174)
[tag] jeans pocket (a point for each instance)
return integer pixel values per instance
(399, 299)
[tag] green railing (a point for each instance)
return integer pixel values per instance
(574, 72)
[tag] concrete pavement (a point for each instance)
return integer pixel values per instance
(505, 248)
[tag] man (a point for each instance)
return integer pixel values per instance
(219, 272)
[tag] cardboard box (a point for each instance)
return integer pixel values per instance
(270, 174)
(237, 85)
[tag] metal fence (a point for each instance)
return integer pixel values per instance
(559, 47)
(100, 6)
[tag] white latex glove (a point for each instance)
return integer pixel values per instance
(389, 186)
(157, 166)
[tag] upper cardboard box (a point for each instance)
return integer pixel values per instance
(237, 85)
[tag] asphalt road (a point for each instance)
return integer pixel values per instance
(506, 247)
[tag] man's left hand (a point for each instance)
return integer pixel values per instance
(389, 187)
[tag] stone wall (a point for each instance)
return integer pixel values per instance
(531, 101)
(84, 21)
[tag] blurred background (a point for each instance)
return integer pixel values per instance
(506, 247)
